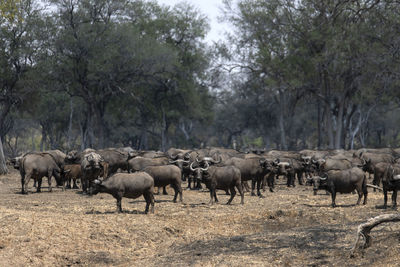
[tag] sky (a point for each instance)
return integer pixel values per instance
(210, 8)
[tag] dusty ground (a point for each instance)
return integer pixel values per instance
(290, 227)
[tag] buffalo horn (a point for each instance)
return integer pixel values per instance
(206, 168)
(191, 167)
(324, 177)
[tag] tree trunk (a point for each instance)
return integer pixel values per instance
(329, 127)
(282, 131)
(69, 134)
(319, 122)
(339, 125)
(43, 140)
(164, 133)
(3, 165)
(32, 140)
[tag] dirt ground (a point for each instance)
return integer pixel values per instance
(289, 227)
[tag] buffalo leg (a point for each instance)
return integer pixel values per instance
(164, 190)
(360, 194)
(259, 187)
(198, 185)
(264, 181)
(300, 177)
(288, 181)
(240, 189)
(245, 186)
(333, 198)
(119, 205)
(49, 181)
(271, 182)
(75, 186)
(83, 182)
(233, 193)
(384, 197)
(148, 196)
(211, 196)
(365, 192)
(215, 196)
(253, 185)
(39, 185)
(178, 190)
(24, 189)
(394, 199)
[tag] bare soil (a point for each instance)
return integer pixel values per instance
(290, 227)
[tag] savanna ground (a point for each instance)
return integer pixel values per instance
(290, 227)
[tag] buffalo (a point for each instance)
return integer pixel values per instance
(390, 182)
(92, 168)
(227, 177)
(342, 181)
(71, 172)
(129, 185)
(166, 175)
(36, 166)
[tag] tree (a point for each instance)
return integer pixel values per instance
(18, 48)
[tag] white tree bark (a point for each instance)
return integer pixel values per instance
(364, 229)
(3, 166)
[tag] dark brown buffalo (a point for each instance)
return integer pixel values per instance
(92, 168)
(270, 170)
(379, 172)
(342, 181)
(36, 166)
(285, 167)
(224, 178)
(139, 163)
(129, 185)
(167, 175)
(250, 169)
(390, 182)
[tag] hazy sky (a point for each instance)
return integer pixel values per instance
(211, 8)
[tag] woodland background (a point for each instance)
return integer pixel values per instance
(289, 75)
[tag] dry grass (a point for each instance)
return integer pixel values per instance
(290, 227)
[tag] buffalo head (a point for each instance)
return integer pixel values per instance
(317, 182)
(199, 173)
(92, 161)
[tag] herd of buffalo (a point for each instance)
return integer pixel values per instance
(124, 172)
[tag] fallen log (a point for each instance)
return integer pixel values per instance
(364, 229)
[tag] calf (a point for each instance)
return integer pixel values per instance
(71, 172)
(129, 185)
